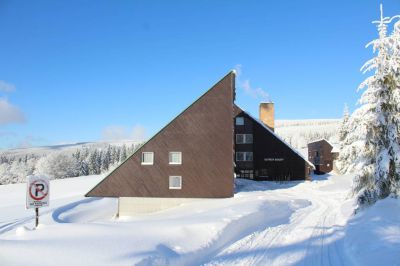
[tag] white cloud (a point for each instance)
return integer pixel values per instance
(139, 133)
(115, 133)
(10, 113)
(6, 87)
(257, 93)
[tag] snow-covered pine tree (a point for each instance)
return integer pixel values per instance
(92, 162)
(122, 155)
(105, 160)
(343, 131)
(371, 147)
(394, 129)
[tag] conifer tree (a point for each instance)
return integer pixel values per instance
(371, 148)
(343, 130)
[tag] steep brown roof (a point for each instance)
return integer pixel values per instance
(203, 133)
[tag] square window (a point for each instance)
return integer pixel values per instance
(175, 157)
(245, 156)
(175, 182)
(239, 138)
(244, 138)
(248, 138)
(239, 121)
(240, 156)
(147, 158)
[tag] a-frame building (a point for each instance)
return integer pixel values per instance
(191, 157)
(198, 154)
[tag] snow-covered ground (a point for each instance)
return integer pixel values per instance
(296, 223)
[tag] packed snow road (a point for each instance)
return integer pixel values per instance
(312, 237)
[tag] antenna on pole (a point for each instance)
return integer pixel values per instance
(381, 6)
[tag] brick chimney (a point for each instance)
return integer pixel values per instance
(267, 114)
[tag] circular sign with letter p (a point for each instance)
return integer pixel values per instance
(38, 188)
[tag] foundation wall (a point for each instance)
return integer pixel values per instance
(128, 206)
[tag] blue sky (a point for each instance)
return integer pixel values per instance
(74, 71)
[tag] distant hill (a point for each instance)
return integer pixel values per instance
(66, 147)
(300, 132)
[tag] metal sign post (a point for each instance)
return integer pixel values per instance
(37, 194)
(37, 217)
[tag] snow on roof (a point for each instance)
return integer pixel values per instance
(336, 148)
(318, 140)
(279, 138)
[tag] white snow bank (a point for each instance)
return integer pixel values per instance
(373, 235)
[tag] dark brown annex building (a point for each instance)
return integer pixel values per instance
(260, 154)
(197, 155)
(322, 154)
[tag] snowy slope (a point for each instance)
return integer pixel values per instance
(373, 236)
(71, 147)
(296, 223)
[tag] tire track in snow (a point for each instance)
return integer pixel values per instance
(55, 213)
(12, 225)
(244, 227)
(315, 225)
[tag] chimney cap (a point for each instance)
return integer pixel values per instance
(267, 102)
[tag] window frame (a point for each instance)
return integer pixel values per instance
(237, 154)
(169, 158)
(238, 136)
(245, 156)
(245, 138)
(180, 182)
(147, 163)
(239, 118)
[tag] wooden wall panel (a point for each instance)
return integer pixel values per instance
(324, 162)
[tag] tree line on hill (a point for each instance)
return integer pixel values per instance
(298, 133)
(87, 160)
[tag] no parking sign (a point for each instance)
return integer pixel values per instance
(37, 193)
